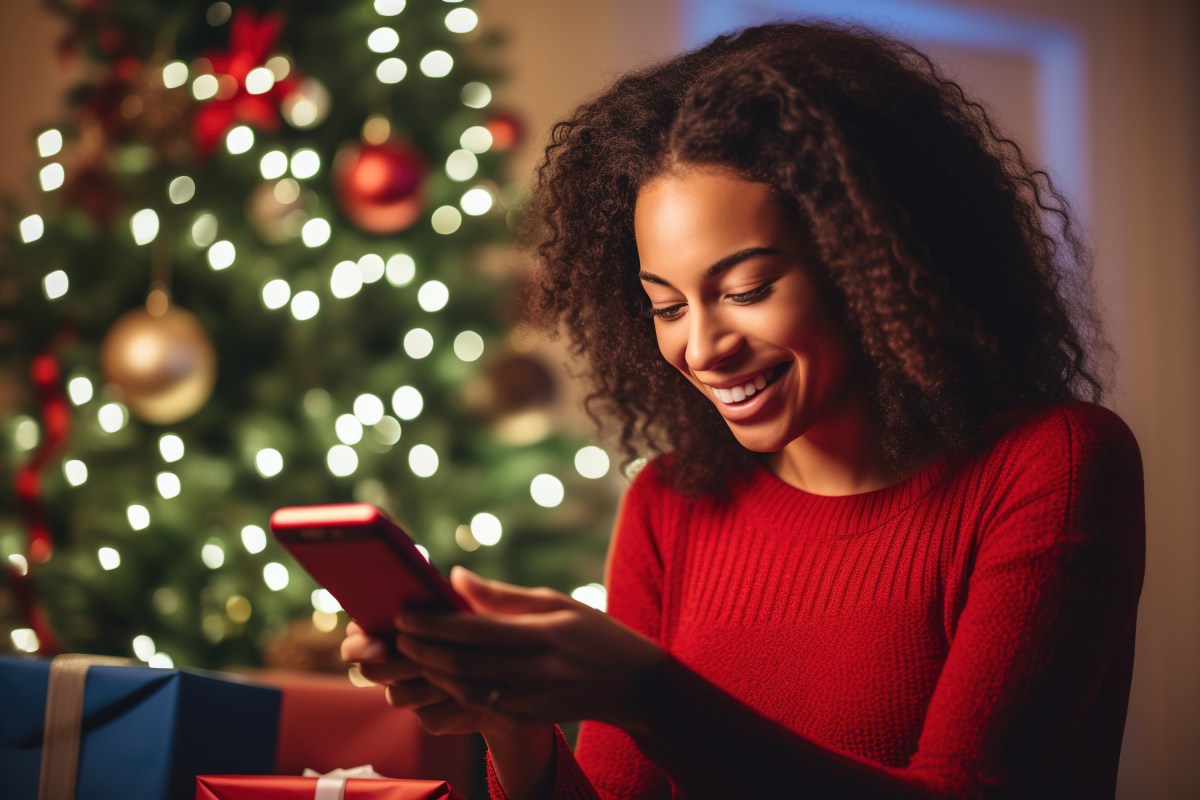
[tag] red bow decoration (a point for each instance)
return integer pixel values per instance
(251, 40)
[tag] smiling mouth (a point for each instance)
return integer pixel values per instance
(735, 395)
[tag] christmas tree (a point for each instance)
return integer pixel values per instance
(268, 268)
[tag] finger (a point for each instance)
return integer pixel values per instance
(479, 630)
(446, 716)
(397, 669)
(503, 598)
(354, 629)
(360, 648)
(414, 694)
(498, 665)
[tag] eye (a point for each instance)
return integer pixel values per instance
(669, 313)
(752, 296)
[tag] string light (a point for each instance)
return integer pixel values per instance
(377, 129)
(109, 558)
(218, 14)
(546, 490)
(238, 609)
(407, 402)
(486, 528)
(32, 228)
(171, 447)
(204, 229)
(437, 64)
(286, 191)
(305, 305)
(75, 471)
(341, 460)
(348, 429)
(80, 390)
(239, 139)
(461, 165)
(389, 8)
(168, 485)
(387, 431)
(401, 269)
(19, 563)
(468, 346)
(138, 516)
(391, 70)
(461, 20)
(26, 435)
(307, 105)
(476, 95)
(49, 143)
(446, 220)
(181, 190)
(418, 343)
(317, 403)
(324, 621)
(433, 296)
(51, 177)
(55, 284)
(465, 539)
(305, 163)
(476, 138)
(112, 417)
(259, 80)
(276, 293)
(273, 164)
(161, 661)
(268, 462)
(371, 267)
(254, 539)
(315, 232)
(383, 40)
(591, 462)
(423, 550)
(143, 647)
(368, 409)
(204, 87)
(275, 576)
(174, 74)
(345, 280)
(25, 640)
(477, 201)
(593, 594)
(322, 600)
(213, 555)
(280, 67)
(221, 254)
(423, 460)
(144, 226)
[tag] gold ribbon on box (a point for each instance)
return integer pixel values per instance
(64, 723)
(332, 785)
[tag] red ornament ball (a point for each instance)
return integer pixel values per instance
(379, 186)
(506, 129)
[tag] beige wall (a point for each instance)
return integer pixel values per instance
(1144, 124)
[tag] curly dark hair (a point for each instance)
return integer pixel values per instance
(954, 264)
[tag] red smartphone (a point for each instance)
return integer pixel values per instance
(366, 561)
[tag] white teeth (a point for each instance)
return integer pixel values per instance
(739, 394)
(736, 394)
(760, 382)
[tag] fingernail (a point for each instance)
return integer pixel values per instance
(375, 651)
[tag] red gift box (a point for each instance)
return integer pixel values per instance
(287, 787)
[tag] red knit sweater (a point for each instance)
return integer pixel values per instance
(967, 632)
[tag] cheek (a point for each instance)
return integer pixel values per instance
(673, 345)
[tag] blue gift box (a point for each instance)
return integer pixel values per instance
(146, 733)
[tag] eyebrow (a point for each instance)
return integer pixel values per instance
(719, 266)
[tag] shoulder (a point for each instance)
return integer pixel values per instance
(1071, 436)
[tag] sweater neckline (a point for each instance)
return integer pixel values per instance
(790, 508)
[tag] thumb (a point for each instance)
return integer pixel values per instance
(498, 597)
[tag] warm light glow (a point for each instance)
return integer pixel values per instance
(377, 129)
(461, 20)
(305, 305)
(423, 460)
(238, 609)
(476, 138)
(286, 191)
(25, 640)
(275, 576)
(19, 563)
(213, 555)
(204, 87)
(423, 550)
(174, 74)
(368, 409)
(161, 661)
(437, 64)
(181, 190)
(546, 490)
(144, 226)
(239, 139)
(322, 600)
(418, 343)
(305, 163)
(254, 539)
(221, 254)
(280, 67)
(348, 429)
(486, 529)
(268, 462)
(56, 284)
(218, 13)
(273, 164)
(346, 280)
(591, 462)
(75, 471)
(446, 220)
(49, 143)
(391, 70)
(112, 417)
(315, 232)
(51, 177)
(341, 460)
(433, 296)
(383, 40)
(276, 293)
(32, 228)
(407, 402)
(476, 95)
(171, 447)
(468, 346)
(204, 230)
(387, 431)
(138, 516)
(594, 595)
(26, 434)
(477, 201)
(80, 390)
(401, 269)
(259, 80)
(462, 166)
(465, 539)
(371, 267)
(168, 484)
(389, 8)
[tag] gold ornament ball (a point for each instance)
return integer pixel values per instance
(164, 364)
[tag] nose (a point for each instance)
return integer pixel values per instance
(710, 340)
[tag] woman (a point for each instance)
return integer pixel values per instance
(892, 552)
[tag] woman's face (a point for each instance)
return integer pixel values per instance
(736, 306)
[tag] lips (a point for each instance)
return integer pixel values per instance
(746, 388)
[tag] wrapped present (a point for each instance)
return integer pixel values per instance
(359, 783)
(90, 729)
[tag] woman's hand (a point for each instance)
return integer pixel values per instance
(526, 656)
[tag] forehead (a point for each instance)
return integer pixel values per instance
(693, 217)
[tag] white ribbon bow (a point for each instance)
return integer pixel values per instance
(332, 785)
